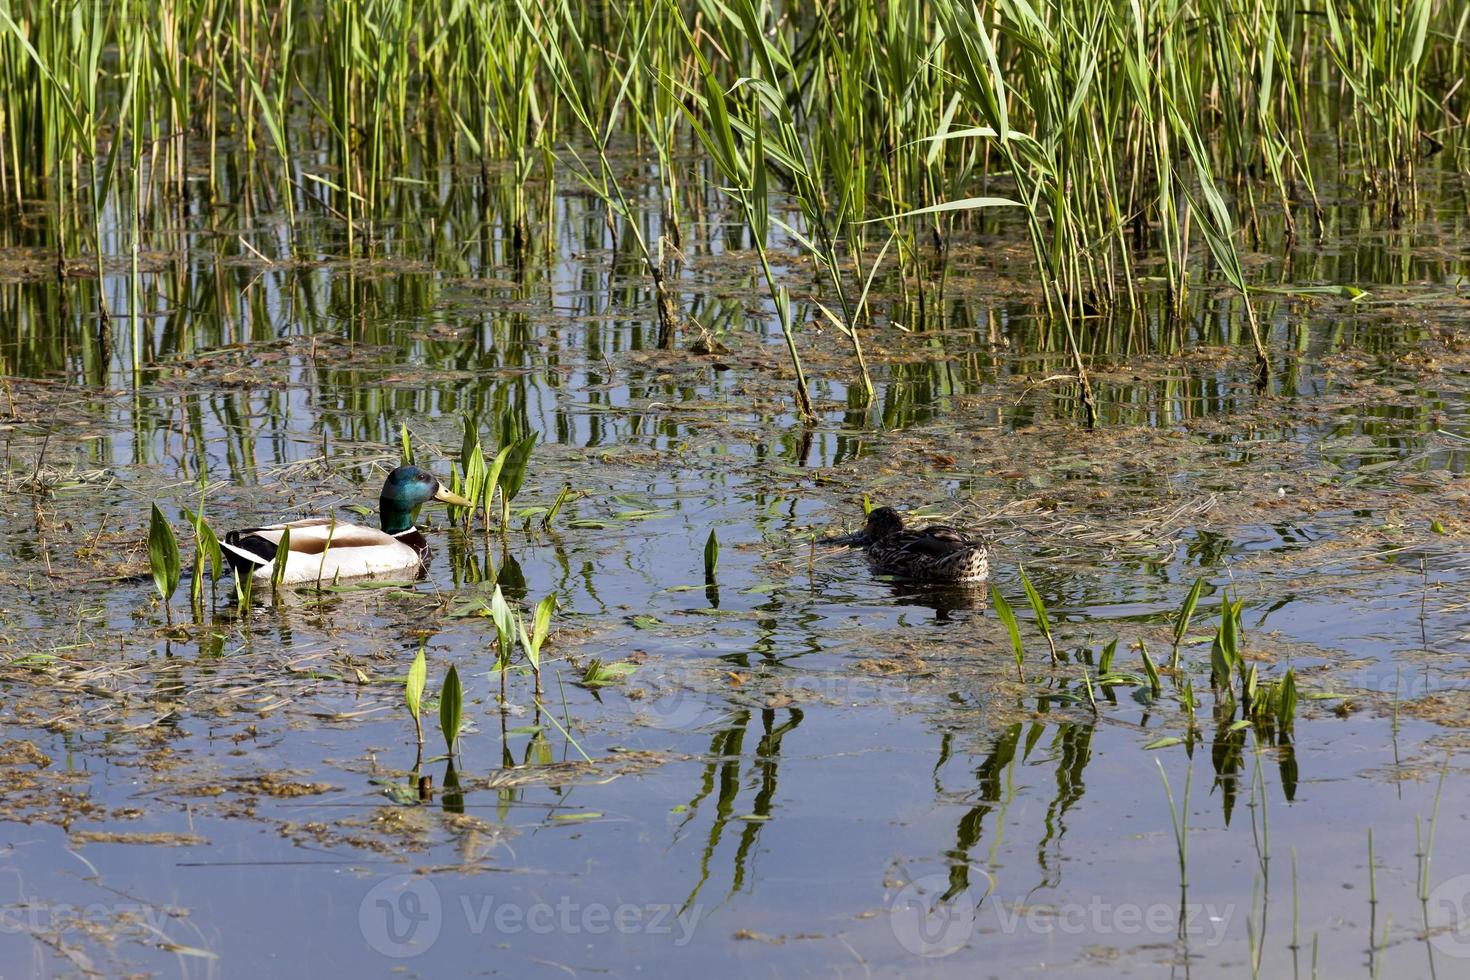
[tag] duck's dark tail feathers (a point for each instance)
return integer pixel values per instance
(246, 552)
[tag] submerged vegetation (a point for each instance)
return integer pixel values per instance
(898, 131)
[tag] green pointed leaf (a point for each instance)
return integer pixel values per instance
(532, 653)
(1286, 701)
(544, 609)
(492, 477)
(469, 441)
(514, 472)
(163, 555)
(1148, 668)
(1186, 612)
(1229, 640)
(1037, 606)
(1219, 665)
(278, 566)
(600, 674)
(561, 499)
(451, 704)
(1003, 610)
(711, 554)
(965, 204)
(413, 688)
(206, 543)
(504, 619)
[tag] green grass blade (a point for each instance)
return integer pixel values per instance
(278, 566)
(1038, 607)
(1186, 612)
(561, 499)
(1003, 610)
(1154, 686)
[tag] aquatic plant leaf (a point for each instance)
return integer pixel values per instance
(1003, 610)
(542, 626)
(514, 472)
(278, 566)
(407, 447)
(561, 499)
(1286, 698)
(1105, 662)
(533, 653)
(1186, 612)
(1225, 653)
(474, 483)
(711, 555)
(599, 674)
(1164, 743)
(196, 581)
(163, 555)
(469, 440)
(963, 204)
(206, 542)
(504, 619)
(1219, 665)
(413, 687)
(1038, 607)
(451, 705)
(1148, 668)
(492, 477)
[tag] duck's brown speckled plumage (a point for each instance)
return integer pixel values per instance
(936, 553)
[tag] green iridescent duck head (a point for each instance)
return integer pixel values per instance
(408, 488)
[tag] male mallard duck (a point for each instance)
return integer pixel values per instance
(326, 550)
(933, 554)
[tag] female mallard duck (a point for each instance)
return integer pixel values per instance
(324, 550)
(933, 554)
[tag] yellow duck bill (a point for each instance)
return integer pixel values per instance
(445, 495)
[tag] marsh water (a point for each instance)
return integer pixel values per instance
(801, 769)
